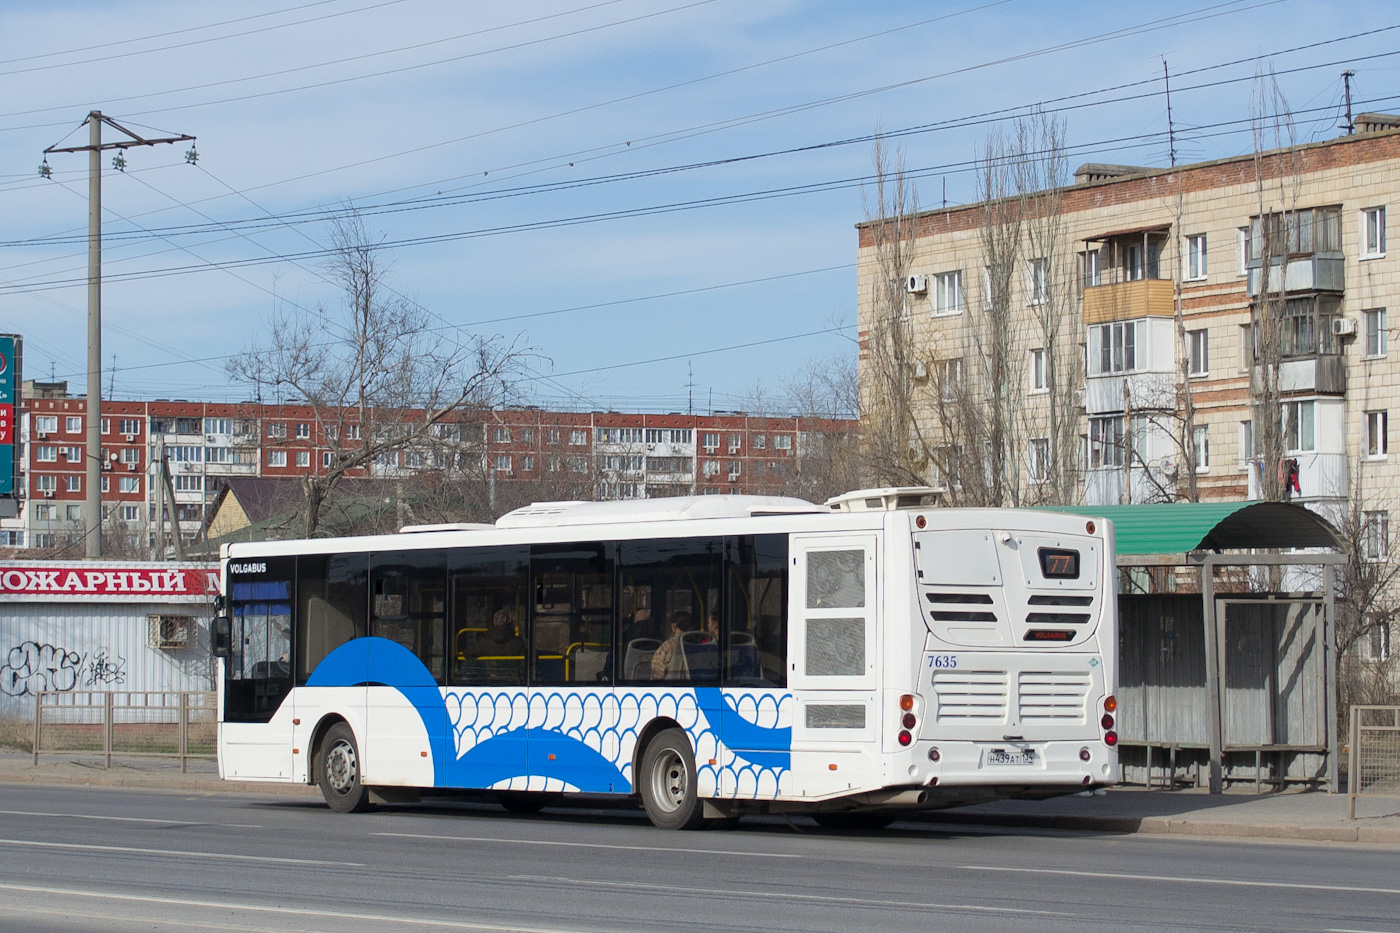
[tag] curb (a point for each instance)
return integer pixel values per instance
(201, 785)
(1175, 826)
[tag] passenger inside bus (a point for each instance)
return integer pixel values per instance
(669, 662)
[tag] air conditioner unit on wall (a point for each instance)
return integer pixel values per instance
(916, 284)
(1343, 327)
(169, 631)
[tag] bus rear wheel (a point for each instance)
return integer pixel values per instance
(668, 783)
(338, 771)
(855, 819)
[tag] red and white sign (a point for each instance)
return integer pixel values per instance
(84, 580)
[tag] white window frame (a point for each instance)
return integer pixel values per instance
(128, 484)
(1372, 232)
(73, 484)
(1375, 536)
(1246, 441)
(73, 424)
(45, 453)
(1038, 459)
(1037, 281)
(1373, 323)
(1298, 437)
(1200, 438)
(1375, 439)
(1039, 378)
(1242, 251)
(1101, 334)
(1198, 352)
(1106, 447)
(947, 293)
(46, 424)
(1091, 268)
(1196, 268)
(303, 458)
(950, 372)
(277, 458)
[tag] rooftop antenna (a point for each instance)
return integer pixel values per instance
(112, 381)
(1349, 126)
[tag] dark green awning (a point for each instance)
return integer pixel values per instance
(1180, 527)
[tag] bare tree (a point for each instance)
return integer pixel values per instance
(379, 378)
(1367, 606)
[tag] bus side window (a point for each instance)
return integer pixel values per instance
(487, 598)
(332, 595)
(756, 584)
(409, 603)
(671, 602)
(572, 613)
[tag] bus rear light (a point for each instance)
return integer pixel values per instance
(1110, 703)
(906, 702)
(933, 781)
(1110, 739)
(908, 720)
(1087, 780)
(1106, 721)
(1089, 527)
(1085, 754)
(920, 522)
(933, 754)
(906, 737)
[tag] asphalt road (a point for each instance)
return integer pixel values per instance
(102, 859)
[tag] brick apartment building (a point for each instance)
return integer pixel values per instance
(602, 454)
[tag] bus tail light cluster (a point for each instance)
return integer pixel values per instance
(1110, 705)
(907, 720)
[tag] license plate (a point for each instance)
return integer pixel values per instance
(1011, 756)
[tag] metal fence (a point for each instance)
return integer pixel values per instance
(1375, 754)
(127, 723)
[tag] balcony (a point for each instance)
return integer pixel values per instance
(1308, 274)
(1121, 301)
(1318, 375)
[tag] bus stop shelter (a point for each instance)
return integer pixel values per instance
(1227, 652)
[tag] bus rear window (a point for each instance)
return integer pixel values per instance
(1059, 563)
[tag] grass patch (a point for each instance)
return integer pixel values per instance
(16, 733)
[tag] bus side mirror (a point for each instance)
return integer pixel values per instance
(219, 636)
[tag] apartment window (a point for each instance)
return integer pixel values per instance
(128, 484)
(500, 435)
(1196, 257)
(73, 483)
(130, 513)
(618, 435)
(553, 436)
(736, 441)
(106, 485)
(1375, 535)
(735, 468)
(45, 453)
(1200, 439)
(578, 437)
(303, 458)
(947, 292)
(1038, 459)
(1092, 264)
(129, 426)
(1295, 233)
(1038, 375)
(218, 425)
(623, 463)
(184, 453)
(1037, 284)
(710, 468)
(1198, 349)
(1378, 641)
(276, 458)
(950, 377)
(527, 463)
(104, 425)
(554, 464)
(71, 454)
(354, 432)
(1374, 322)
(1117, 347)
(1376, 442)
(129, 455)
(501, 463)
(74, 513)
(988, 293)
(1105, 442)
(45, 512)
(1373, 232)
(760, 441)
(46, 424)
(276, 430)
(325, 459)
(189, 483)
(1246, 441)
(578, 465)
(1306, 326)
(1242, 250)
(782, 441)
(73, 425)
(303, 430)
(1299, 426)
(45, 483)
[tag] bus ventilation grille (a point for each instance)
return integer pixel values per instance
(970, 695)
(1052, 696)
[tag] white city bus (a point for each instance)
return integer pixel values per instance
(715, 655)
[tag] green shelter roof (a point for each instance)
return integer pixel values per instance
(1180, 527)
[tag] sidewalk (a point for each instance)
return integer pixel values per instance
(1302, 816)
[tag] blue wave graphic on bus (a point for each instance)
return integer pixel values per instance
(581, 739)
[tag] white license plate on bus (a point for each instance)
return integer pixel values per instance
(1011, 756)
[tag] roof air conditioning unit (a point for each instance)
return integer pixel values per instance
(1343, 327)
(916, 284)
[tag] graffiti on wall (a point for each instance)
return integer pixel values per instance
(32, 668)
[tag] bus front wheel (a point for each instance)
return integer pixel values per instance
(668, 783)
(338, 771)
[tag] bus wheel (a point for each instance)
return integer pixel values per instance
(338, 771)
(668, 783)
(517, 801)
(855, 819)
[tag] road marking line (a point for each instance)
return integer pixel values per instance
(175, 853)
(777, 896)
(128, 819)
(1233, 882)
(590, 845)
(293, 911)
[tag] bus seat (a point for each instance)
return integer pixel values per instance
(743, 661)
(636, 663)
(701, 656)
(587, 664)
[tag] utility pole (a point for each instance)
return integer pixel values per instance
(1171, 135)
(92, 499)
(1349, 126)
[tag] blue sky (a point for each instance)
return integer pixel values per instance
(488, 138)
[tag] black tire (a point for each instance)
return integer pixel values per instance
(338, 771)
(519, 801)
(855, 819)
(667, 783)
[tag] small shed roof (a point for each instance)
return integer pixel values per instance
(1180, 527)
